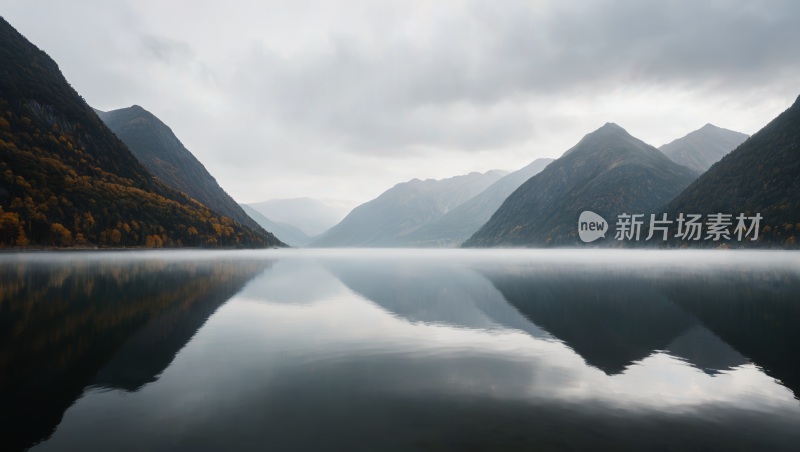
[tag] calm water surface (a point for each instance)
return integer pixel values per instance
(400, 350)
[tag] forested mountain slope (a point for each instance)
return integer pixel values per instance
(157, 147)
(68, 180)
(761, 176)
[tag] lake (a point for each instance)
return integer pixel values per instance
(380, 350)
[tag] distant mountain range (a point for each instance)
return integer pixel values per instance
(704, 147)
(608, 172)
(403, 209)
(68, 180)
(311, 216)
(156, 146)
(285, 232)
(459, 224)
(72, 176)
(761, 176)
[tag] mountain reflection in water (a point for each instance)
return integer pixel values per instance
(715, 319)
(400, 350)
(114, 321)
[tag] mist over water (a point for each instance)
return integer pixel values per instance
(400, 350)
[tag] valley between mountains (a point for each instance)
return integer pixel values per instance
(73, 176)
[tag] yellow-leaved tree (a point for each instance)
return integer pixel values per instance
(60, 235)
(11, 232)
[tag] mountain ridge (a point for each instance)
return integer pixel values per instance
(311, 216)
(762, 175)
(703, 147)
(459, 224)
(404, 208)
(608, 172)
(156, 146)
(285, 232)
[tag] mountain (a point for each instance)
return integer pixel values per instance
(403, 209)
(309, 215)
(703, 147)
(608, 172)
(285, 232)
(460, 223)
(67, 179)
(154, 144)
(761, 176)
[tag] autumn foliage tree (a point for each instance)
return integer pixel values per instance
(11, 231)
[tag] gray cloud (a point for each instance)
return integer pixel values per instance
(467, 87)
(345, 99)
(167, 50)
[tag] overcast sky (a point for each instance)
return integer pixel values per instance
(342, 100)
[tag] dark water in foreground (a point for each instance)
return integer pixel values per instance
(400, 350)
